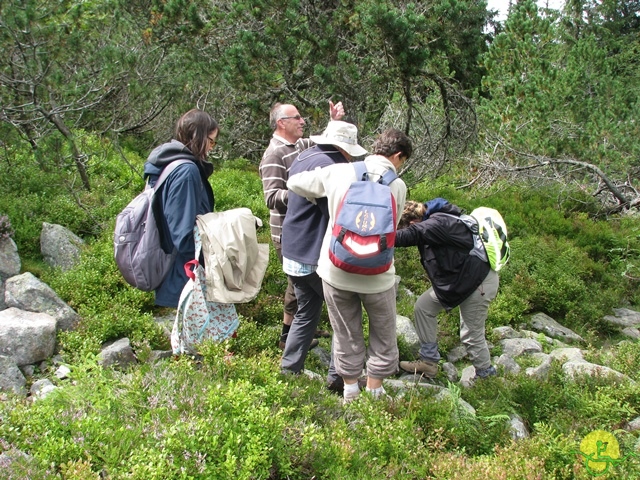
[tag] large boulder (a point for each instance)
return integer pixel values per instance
(27, 292)
(59, 246)
(27, 337)
(9, 264)
(624, 317)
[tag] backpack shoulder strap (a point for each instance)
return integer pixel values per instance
(361, 171)
(362, 174)
(167, 170)
(388, 177)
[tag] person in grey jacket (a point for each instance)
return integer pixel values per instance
(185, 193)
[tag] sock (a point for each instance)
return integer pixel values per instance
(351, 391)
(376, 392)
(285, 332)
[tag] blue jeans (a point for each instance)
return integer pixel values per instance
(310, 298)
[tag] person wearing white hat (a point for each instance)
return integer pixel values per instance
(347, 293)
(302, 234)
(288, 129)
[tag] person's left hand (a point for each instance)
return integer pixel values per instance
(336, 111)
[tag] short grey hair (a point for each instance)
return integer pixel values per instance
(275, 114)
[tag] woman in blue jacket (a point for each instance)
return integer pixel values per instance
(185, 193)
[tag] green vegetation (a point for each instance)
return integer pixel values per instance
(536, 117)
(235, 416)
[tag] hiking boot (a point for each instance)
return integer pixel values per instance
(322, 334)
(314, 343)
(424, 367)
(486, 373)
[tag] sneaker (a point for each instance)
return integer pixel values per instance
(314, 343)
(425, 367)
(486, 372)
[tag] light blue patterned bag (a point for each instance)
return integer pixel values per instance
(197, 319)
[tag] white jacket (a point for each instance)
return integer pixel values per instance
(235, 263)
(333, 182)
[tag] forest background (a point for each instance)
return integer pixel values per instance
(536, 116)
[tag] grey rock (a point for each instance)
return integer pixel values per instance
(544, 340)
(451, 371)
(11, 378)
(445, 394)
(567, 354)
(62, 372)
(9, 264)
(575, 368)
(9, 258)
(28, 337)
(467, 376)
(59, 246)
(396, 285)
(27, 292)
(634, 425)
(406, 330)
(623, 317)
(502, 333)
(542, 370)
(322, 355)
(517, 428)
(509, 364)
(42, 388)
(118, 354)
(456, 354)
(544, 323)
(28, 370)
(514, 347)
(412, 378)
(157, 355)
(631, 332)
(312, 375)
(407, 383)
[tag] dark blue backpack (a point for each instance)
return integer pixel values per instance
(364, 231)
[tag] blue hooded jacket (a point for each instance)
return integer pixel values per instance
(185, 193)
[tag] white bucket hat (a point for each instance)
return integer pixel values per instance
(341, 134)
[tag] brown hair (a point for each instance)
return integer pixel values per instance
(193, 129)
(392, 141)
(412, 211)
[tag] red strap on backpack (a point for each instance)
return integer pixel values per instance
(187, 268)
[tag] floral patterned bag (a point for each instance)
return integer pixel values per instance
(197, 319)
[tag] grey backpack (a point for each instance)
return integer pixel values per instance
(137, 239)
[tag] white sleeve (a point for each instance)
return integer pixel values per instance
(308, 184)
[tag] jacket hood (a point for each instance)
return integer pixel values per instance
(166, 153)
(440, 205)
